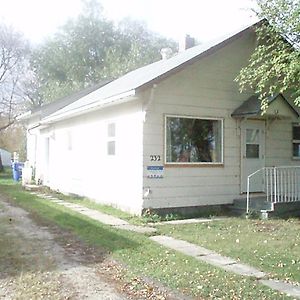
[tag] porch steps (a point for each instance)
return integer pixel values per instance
(258, 204)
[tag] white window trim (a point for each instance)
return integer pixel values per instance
(194, 163)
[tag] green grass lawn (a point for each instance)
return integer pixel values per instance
(272, 246)
(141, 256)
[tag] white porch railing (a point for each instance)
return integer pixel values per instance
(280, 184)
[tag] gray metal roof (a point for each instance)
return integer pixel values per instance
(50, 108)
(145, 76)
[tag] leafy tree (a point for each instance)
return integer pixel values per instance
(274, 66)
(139, 46)
(90, 49)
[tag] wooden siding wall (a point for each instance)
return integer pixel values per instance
(279, 146)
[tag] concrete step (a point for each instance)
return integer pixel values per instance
(256, 203)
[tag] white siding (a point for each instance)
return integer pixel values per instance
(32, 135)
(31, 148)
(79, 163)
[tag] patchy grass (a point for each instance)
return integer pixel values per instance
(143, 257)
(6, 176)
(23, 266)
(272, 246)
(38, 285)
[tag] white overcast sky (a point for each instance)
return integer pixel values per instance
(203, 19)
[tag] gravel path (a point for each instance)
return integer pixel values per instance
(69, 271)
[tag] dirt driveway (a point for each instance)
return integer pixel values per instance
(44, 262)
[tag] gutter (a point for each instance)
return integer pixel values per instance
(125, 97)
(33, 127)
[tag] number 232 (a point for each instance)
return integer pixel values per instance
(154, 157)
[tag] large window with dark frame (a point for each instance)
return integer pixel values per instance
(296, 141)
(193, 140)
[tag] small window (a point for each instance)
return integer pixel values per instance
(193, 140)
(111, 139)
(111, 148)
(252, 143)
(111, 130)
(296, 141)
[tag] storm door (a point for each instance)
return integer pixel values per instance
(253, 154)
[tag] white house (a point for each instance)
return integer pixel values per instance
(176, 134)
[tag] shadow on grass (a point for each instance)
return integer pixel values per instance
(78, 239)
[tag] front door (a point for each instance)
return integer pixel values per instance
(253, 154)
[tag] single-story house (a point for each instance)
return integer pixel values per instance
(176, 134)
(5, 157)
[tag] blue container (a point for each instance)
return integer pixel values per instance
(17, 170)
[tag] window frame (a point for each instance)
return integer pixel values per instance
(295, 141)
(193, 164)
(111, 138)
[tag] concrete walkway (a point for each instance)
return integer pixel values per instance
(188, 221)
(226, 263)
(208, 256)
(98, 216)
(195, 251)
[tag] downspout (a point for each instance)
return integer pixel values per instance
(150, 100)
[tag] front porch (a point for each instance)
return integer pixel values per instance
(280, 195)
(258, 205)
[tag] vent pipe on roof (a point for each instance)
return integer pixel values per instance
(186, 43)
(166, 53)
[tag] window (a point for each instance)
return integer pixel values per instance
(111, 135)
(111, 130)
(252, 143)
(193, 140)
(296, 141)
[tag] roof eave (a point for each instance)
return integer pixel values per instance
(117, 99)
(246, 114)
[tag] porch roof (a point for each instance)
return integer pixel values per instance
(252, 107)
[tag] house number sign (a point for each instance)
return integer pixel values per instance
(154, 157)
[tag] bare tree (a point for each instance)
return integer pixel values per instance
(13, 63)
